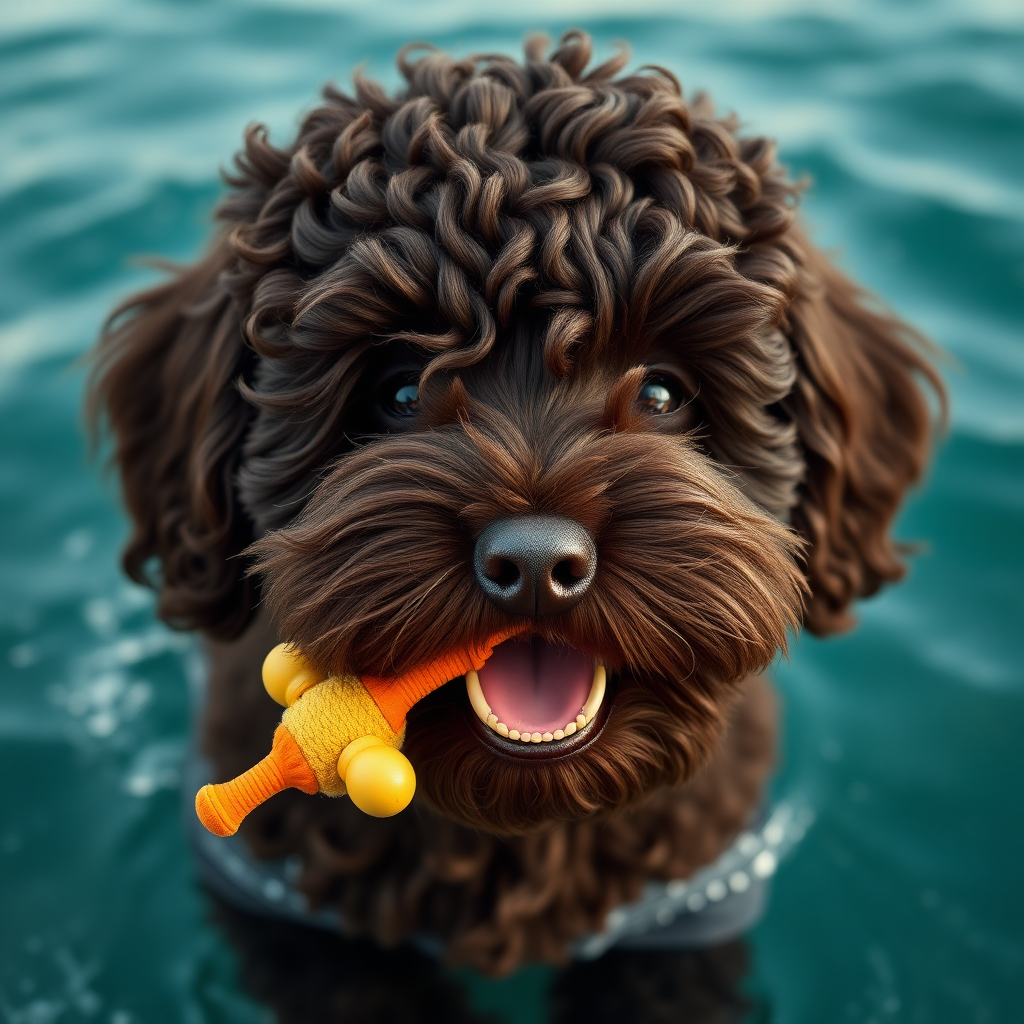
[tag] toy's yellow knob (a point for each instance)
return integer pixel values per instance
(287, 675)
(379, 779)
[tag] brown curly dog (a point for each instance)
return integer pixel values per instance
(522, 340)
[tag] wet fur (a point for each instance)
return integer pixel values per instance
(527, 237)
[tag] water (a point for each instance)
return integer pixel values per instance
(905, 902)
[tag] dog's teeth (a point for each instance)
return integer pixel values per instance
(476, 696)
(483, 711)
(596, 694)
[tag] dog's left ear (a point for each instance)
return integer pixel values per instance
(864, 425)
(164, 378)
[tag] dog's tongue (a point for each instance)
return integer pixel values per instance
(534, 686)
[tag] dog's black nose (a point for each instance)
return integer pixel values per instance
(535, 565)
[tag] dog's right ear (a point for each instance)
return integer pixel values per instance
(164, 380)
(864, 424)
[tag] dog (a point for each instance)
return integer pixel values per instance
(534, 344)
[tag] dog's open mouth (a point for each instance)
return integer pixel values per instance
(536, 692)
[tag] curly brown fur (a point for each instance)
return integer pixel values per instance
(609, 212)
(528, 241)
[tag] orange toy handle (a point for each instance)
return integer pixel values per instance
(222, 806)
(395, 697)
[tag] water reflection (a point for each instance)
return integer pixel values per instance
(305, 975)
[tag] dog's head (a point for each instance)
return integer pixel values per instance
(524, 347)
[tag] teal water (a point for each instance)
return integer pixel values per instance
(905, 901)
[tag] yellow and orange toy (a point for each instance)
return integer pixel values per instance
(338, 735)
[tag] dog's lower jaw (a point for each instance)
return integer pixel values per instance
(646, 735)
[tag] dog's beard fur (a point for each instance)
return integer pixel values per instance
(695, 589)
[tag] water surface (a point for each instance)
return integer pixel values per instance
(905, 901)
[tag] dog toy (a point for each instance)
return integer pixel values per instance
(338, 735)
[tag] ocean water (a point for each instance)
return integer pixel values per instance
(904, 902)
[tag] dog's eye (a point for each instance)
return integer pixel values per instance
(660, 394)
(405, 401)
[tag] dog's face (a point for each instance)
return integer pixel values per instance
(523, 349)
(584, 511)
